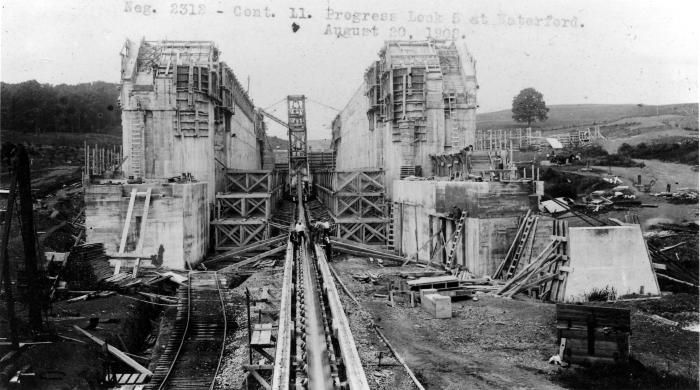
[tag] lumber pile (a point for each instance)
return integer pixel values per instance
(87, 266)
(534, 274)
(358, 249)
(547, 273)
(254, 261)
(121, 281)
(261, 245)
(482, 285)
(366, 277)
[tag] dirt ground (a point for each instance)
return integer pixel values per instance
(267, 284)
(495, 343)
(75, 362)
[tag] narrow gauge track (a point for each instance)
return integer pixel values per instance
(195, 349)
(315, 349)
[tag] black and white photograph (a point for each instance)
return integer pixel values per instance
(349, 194)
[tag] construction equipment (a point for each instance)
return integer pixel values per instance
(297, 150)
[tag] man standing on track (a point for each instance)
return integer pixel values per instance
(299, 229)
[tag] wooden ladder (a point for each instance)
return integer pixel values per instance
(451, 102)
(127, 221)
(456, 239)
(528, 222)
(390, 229)
(137, 149)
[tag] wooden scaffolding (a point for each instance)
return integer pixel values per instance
(243, 212)
(356, 202)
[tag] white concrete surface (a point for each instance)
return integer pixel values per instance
(608, 256)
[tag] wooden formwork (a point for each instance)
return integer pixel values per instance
(356, 202)
(252, 181)
(244, 211)
(233, 233)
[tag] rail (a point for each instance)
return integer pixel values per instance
(195, 350)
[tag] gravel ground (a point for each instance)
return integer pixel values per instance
(261, 284)
(505, 344)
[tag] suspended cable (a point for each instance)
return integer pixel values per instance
(275, 103)
(323, 104)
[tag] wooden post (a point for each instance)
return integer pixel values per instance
(144, 218)
(24, 186)
(415, 221)
(6, 278)
(250, 333)
(116, 352)
(430, 232)
(127, 222)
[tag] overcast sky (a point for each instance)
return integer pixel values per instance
(617, 51)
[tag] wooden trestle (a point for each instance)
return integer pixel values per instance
(243, 212)
(357, 204)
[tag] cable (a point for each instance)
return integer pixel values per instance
(322, 104)
(274, 104)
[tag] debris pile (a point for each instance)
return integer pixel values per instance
(682, 195)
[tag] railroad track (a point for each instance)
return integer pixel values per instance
(195, 349)
(315, 349)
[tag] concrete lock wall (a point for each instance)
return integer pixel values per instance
(487, 233)
(609, 256)
(243, 150)
(360, 147)
(178, 220)
(365, 139)
(169, 129)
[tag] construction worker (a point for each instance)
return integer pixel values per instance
(294, 238)
(325, 228)
(321, 229)
(326, 240)
(456, 212)
(299, 229)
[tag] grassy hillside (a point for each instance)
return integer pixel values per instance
(570, 115)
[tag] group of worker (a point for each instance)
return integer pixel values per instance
(320, 233)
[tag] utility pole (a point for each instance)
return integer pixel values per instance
(24, 185)
(6, 279)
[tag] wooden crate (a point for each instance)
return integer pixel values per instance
(593, 333)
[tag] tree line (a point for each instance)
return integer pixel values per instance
(83, 108)
(684, 152)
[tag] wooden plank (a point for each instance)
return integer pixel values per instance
(144, 218)
(341, 327)
(400, 359)
(253, 259)
(247, 248)
(127, 222)
(260, 379)
(582, 315)
(282, 363)
(599, 334)
(117, 353)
